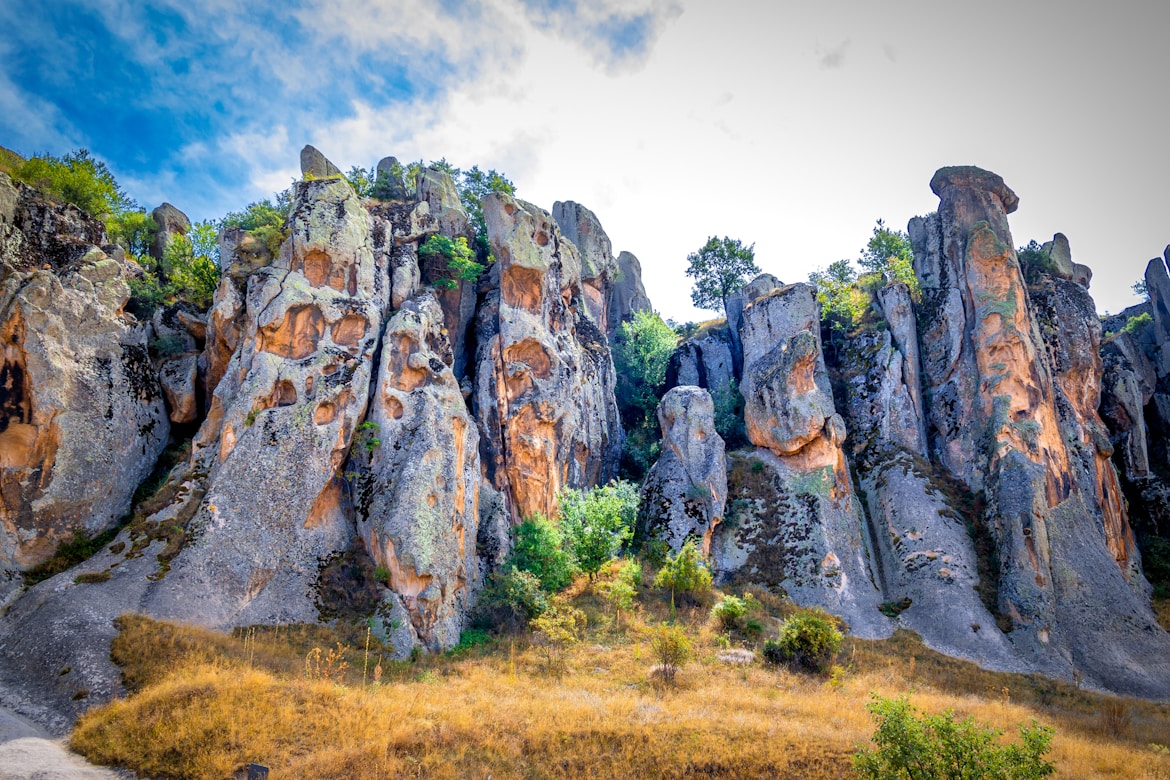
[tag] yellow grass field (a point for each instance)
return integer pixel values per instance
(206, 704)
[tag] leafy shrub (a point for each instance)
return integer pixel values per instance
(556, 628)
(729, 422)
(1134, 324)
(685, 574)
(362, 180)
(808, 641)
(79, 179)
(623, 588)
(458, 257)
(671, 648)
(539, 549)
(263, 220)
(890, 254)
(133, 231)
(146, 294)
(935, 747)
(597, 523)
(509, 600)
(730, 612)
(191, 278)
(1035, 262)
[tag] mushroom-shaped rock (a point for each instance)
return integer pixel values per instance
(971, 179)
(169, 222)
(686, 490)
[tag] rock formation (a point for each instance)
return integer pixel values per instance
(169, 222)
(544, 378)
(82, 418)
(802, 529)
(627, 295)
(685, 493)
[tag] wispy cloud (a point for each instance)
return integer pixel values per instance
(832, 58)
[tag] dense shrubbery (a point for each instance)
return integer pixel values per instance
(455, 255)
(598, 523)
(76, 178)
(936, 747)
(685, 574)
(808, 641)
(264, 220)
(641, 353)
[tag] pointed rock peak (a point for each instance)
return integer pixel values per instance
(1061, 255)
(760, 286)
(388, 184)
(315, 164)
(970, 176)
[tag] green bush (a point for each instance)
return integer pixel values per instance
(458, 257)
(685, 574)
(508, 601)
(671, 647)
(936, 747)
(623, 588)
(730, 612)
(556, 628)
(263, 220)
(133, 231)
(1035, 262)
(79, 179)
(808, 641)
(191, 278)
(598, 522)
(539, 549)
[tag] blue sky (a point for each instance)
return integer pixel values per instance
(790, 125)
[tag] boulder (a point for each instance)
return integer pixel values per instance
(626, 294)
(388, 183)
(685, 492)
(82, 417)
(178, 376)
(706, 362)
(314, 165)
(544, 376)
(169, 222)
(437, 189)
(1060, 255)
(417, 494)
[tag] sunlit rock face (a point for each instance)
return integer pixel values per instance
(800, 525)
(82, 417)
(1013, 378)
(281, 423)
(685, 493)
(544, 376)
(417, 493)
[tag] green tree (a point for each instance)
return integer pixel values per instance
(843, 303)
(936, 747)
(539, 549)
(719, 268)
(598, 522)
(672, 648)
(133, 231)
(457, 256)
(80, 179)
(1139, 288)
(890, 254)
(684, 574)
(190, 277)
(556, 628)
(641, 353)
(808, 641)
(623, 588)
(362, 180)
(474, 185)
(264, 220)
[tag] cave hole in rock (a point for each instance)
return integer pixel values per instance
(297, 335)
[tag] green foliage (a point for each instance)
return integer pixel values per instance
(1139, 288)
(808, 641)
(730, 612)
(623, 588)
(133, 231)
(190, 277)
(719, 268)
(205, 240)
(889, 253)
(671, 647)
(469, 639)
(892, 609)
(365, 438)
(843, 304)
(539, 549)
(556, 628)
(685, 574)
(146, 293)
(362, 180)
(641, 353)
(936, 747)
(509, 599)
(167, 346)
(729, 421)
(1134, 324)
(473, 186)
(79, 179)
(69, 553)
(459, 259)
(1035, 262)
(263, 220)
(598, 522)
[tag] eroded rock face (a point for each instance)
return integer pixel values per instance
(598, 266)
(707, 362)
(418, 501)
(544, 378)
(802, 525)
(82, 418)
(685, 493)
(626, 294)
(1013, 377)
(281, 423)
(170, 222)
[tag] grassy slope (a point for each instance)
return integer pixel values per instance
(206, 704)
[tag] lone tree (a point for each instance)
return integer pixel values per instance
(720, 268)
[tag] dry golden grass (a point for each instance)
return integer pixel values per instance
(208, 704)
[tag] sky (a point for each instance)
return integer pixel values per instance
(790, 126)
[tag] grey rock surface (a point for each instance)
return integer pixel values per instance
(169, 222)
(314, 165)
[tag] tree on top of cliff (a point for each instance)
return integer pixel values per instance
(889, 253)
(720, 267)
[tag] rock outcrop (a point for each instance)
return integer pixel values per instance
(82, 418)
(169, 222)
(802, 525)
(417, 488)
(1013, 377)
(627, 295)
(598, 266)
(544, 375)
(706, 361)
(685, 493)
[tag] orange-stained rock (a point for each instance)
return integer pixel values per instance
(544, 378)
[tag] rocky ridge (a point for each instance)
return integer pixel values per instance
(369, 429)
